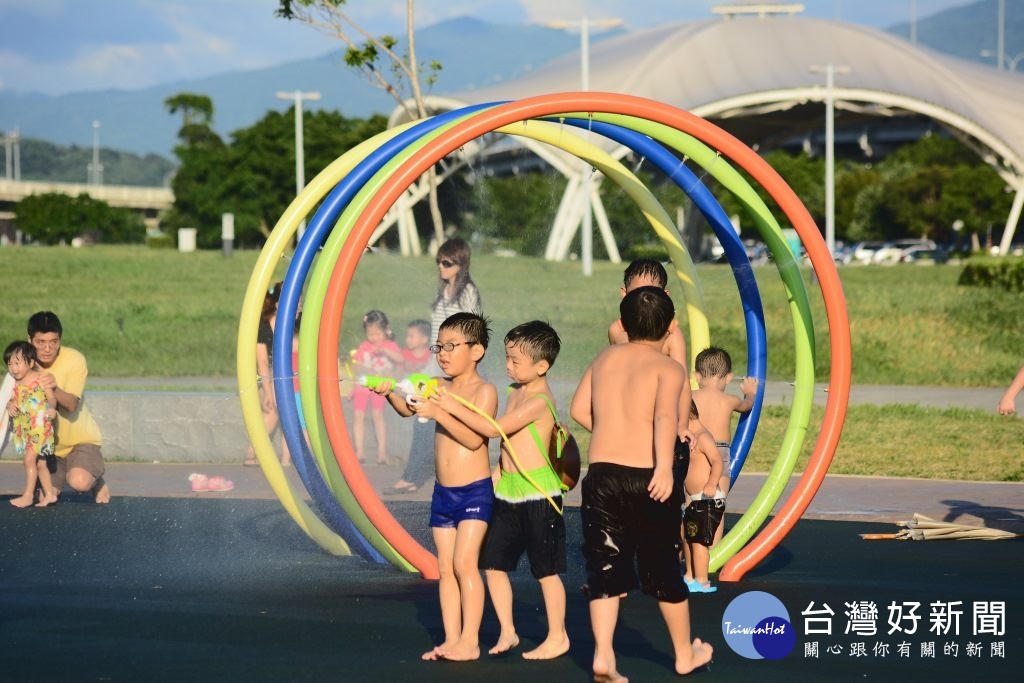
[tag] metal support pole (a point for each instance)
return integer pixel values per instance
(95, 169)
(300, 176)
(830, 162)
(830, 70)
(587, 216)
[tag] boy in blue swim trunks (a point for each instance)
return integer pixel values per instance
(629, 400)
(528, 497)
(463, 493)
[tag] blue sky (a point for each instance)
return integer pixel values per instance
(61, 46)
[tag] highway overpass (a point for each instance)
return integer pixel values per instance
(149, 201)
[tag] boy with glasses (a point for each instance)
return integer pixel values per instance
(463, 493)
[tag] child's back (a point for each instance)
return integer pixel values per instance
(705, 465)
(702, 520)
(713, 369)
(628, 381)
(629, 399)
(714, 373)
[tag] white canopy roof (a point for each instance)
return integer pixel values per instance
(747, 72)
(720, 67)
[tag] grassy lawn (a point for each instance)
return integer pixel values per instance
(149, 313)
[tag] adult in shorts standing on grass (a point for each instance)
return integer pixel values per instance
(78, 438)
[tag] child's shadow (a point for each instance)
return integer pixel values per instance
(1005, 519)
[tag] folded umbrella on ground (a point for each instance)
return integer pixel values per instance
(923, 528)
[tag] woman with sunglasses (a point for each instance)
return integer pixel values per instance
(456, 293)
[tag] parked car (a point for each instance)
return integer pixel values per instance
(922, 255)
(863, 251)
(843, 253)
(891, 251)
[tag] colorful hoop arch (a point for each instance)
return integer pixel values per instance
(617, 115)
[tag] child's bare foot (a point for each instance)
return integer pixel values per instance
(549, 649)
(47, 499)
(103, 494)
(603, 673)
(505, 643)
(701, 656)
(461, 652)
(23, 501)
(436, 653)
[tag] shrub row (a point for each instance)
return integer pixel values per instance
(1006, 273)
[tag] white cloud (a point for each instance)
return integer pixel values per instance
(109, 59)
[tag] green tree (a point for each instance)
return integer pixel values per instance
(515, 211)
(260, 185)
(804, 174)
(920, 191)
(194, 108)
(252, 175)
(378, 58)
(58, 218)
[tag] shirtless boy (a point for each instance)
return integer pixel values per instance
(702, 482)
(463, 493)
(528, 493)
(628, 398)
(650, 273)
(713, 370)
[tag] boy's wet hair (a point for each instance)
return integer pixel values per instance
(694, 413)
(20, 348)
(423, 326)
(44, 322)
(713, 361)
(473, 327)
(646, 313)
(537, 340)
(645, 267)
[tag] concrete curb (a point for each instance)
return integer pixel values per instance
(207, 426)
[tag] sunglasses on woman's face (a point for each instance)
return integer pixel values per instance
(445, 263)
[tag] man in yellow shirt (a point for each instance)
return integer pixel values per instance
(78, 438)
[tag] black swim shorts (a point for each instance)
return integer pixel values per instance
(625, 531)
(531, 525)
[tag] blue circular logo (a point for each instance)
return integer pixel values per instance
(756, 625)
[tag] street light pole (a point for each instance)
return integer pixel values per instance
(300, 176)
(830, 70)
(587, 225)
(1001, 36)
(913, 22)
(95, 169)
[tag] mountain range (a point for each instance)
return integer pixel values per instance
(473, 53)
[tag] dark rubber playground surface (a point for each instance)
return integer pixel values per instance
(185, 589)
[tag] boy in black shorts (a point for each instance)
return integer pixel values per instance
(629, 398)
(528, 494)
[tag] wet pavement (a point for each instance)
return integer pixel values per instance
(841, 497)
